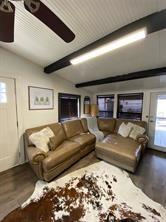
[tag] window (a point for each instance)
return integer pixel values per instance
(69, 106)
(130, 106)
(105, 105)
(3, 93)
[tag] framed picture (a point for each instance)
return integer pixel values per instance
(40, 98)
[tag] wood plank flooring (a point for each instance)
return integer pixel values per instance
(17, 184)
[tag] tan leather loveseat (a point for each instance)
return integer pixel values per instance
(120, 151)
(72, 142)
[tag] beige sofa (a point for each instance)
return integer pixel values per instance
(73, 141)
(120, 151)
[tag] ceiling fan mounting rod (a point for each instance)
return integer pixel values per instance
(40, 11)
(33, 5)
(5, 6)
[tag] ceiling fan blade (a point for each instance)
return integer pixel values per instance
(7, 15)
(45, 15)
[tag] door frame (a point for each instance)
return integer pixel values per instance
(155, 147)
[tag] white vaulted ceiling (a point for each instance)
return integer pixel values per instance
(89, 20)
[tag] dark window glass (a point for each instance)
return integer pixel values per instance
(69, 106)
(130, 106)
(105, 105)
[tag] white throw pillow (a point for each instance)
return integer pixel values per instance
(124, 130)
(47, 132)
(40, 139)
(131, 125)
(137, 130)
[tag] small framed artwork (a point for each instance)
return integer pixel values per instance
(40, 98)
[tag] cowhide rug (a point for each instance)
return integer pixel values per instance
(89, 195)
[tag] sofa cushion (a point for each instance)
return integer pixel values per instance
(73, 128)
(118, 148)
(84, 139)
(136, 131)
(106, 133)
(63, 152)
(106, 125)
(84, 125)
(120, 121)
(53, 143)
(120, 141)
(125, 129)
(58, 138)
(55, 127)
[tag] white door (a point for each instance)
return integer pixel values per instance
(9, 148)
(157, 121)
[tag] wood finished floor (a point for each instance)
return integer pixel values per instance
(17, 184)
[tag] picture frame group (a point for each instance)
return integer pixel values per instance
(40, 98)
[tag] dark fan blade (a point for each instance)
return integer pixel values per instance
(44, 14)
(7, 14)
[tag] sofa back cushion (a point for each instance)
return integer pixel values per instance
(120, 121)
(106, 125)
(55, 127)
(73, 128)
(84, 125)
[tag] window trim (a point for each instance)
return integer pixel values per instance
(59, 103)
(106, 95)
(141, 113)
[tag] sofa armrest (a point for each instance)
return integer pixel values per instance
(35, 155)
(142, 139)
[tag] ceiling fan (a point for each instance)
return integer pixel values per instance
(37, 9)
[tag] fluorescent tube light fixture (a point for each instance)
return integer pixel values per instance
(125, 40)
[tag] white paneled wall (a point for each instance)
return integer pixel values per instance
(28, 74)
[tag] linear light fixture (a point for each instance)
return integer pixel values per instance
(125, 40)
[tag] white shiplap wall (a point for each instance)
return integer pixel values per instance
(28, 74)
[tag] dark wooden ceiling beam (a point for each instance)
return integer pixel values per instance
(153, 23)
(125, 77)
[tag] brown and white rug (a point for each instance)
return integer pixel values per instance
(89, 195)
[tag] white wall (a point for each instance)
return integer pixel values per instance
(146, 100)
(28, 74)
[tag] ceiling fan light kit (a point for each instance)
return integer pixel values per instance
(37, 9)
(123, 41)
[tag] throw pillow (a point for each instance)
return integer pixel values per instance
(52, 144)
(137, 130)
(47, 132)
(124, 129)
(41, 139)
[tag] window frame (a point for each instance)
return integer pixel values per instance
(107, 96)
(59, 104)
(118, 105)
